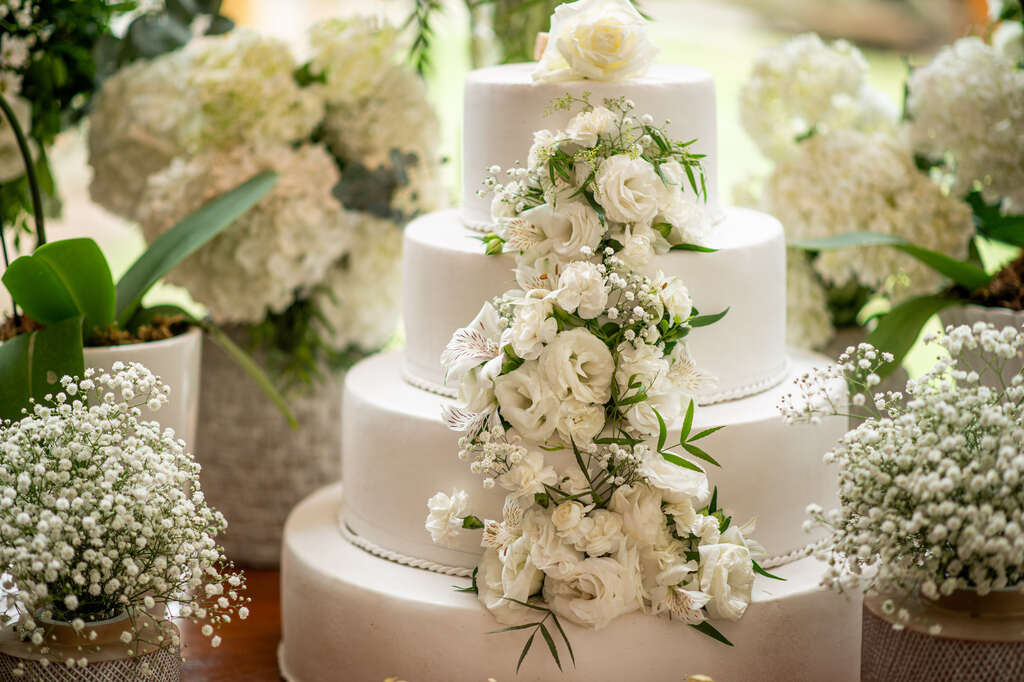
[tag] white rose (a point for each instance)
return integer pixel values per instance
(598, 590)
(548, 550)
(674, 296)
(628, 189)
(568, 226)
(529, 476)
(532, 327)
(640, 507)
(579, 422)
(526, 403)
(727, 574)
(675, 483)
(586, 126)
(579, 365)
(581, 289)
(445, 518)
(476, 390)
(11, 164)
(598, 39)
(567, 516)
(509, 573)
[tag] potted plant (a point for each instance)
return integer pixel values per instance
(72, 315)
(353, 139)
(99, 541)
(923, 210)
(931, 498)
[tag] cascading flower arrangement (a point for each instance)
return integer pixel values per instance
(569, 384)
(354, 141)
(880, 204)
(930, 487)
(103, 519)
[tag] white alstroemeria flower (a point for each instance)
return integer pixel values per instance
(533, 327)
(598, 589)
(727, 574)
(684, 374)
(445, 518)
(640, 507)
(519, 234)
(628, 189)
(587, 126)
(476, 390)
(569, 227)
(688, 605)
(582, 290)
(529, 476)
(501, 534)
(473, 345)
(509, 573)
(597, 39)
(537, 269)
(577, 364)
(675, 483)
(526, 402)
(674, 295)
(548, 550)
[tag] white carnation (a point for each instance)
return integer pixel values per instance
(640, 508)
(445, 518)
(727, 574)
(532, 328)
(548, 550)
(510, 573)
(586, 127)
(581, 290)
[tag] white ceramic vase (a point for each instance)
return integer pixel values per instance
(1000, 317)
(176, 361)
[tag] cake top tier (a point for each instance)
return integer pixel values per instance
(505, 106)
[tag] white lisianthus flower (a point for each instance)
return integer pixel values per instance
(529, 476)
(598, 590)
(579, 422)
(526, 402)
(597, 39)
(11, 163)
(689, 221)
(581, 290)
(674, 296)
(727, 574)
(639, 244)
(577, 364)
(587, 126)
(532, 328)
(445, 518)
(568, 226)
(509, 574)
(640, 362)
(640, 507)
(548, 550)
(675, 483)
(628, 189)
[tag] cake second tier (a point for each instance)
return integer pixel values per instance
(397, 452)
(447, 277)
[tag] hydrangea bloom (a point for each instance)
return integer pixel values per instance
(845, 180)
(808, 322)
(806, 85)
(967, 106)
(287, 242)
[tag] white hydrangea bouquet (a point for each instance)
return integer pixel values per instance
(883, 204)
(103, 519)
(931, 487)
(312, 269)
(569, 384)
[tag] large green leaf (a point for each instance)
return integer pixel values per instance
(32, 364)
(182, 240)
(83, 269)
(990, 222)
(965, 274)
(897, 331)
(35, 287)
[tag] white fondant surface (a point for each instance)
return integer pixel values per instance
(503, 107)
(447, 277)
(347, 615)
(396, 453)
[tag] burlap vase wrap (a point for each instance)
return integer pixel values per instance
(981, 639)
(255, 467)
(109, 659)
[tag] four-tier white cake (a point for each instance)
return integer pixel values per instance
(367, 595)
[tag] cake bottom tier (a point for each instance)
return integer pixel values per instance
(349, 615)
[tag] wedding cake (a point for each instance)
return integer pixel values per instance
(367, 594)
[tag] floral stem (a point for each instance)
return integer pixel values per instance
(30, 171)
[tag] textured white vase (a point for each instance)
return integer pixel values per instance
(1000, 318)
(176, 361)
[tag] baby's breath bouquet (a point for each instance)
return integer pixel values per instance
(879, 203)
(103, 519)
(931, 488)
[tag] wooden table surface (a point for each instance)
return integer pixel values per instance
(248, 652)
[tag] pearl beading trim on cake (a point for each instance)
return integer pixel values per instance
(771, 380)
(463, 572)
(486, 227)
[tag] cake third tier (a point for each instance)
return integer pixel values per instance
(447, 277)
